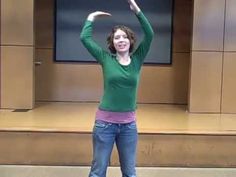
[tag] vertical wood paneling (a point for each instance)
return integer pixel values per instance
(66, 82)
(230, 26)
(0, 53)
(208, 25)
(229, 84)
(205, 82)
(44, 20)
(167, 84)
(182, 31)
(17, 56)
(17, 22)
(17, 80)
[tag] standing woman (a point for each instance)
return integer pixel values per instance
(115, 120)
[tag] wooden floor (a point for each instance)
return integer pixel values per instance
(151, 118)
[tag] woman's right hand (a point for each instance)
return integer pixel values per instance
(94, 15)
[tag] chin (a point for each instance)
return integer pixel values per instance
(123, 51)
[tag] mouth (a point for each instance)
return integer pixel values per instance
(122, 46)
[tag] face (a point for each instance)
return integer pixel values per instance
(121, 41)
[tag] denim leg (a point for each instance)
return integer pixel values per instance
(103, 141)
(126, 142)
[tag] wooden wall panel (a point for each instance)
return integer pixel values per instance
(208, 25)
(166, 84)
(44, 23)
(0, 52)
(17, 81)
(213, 32)
(71, 82)
(17, 56)
(183, 151)
(229, 84)
(170, 150)
(66, 82)
(205, 82)
(45, 148)
(182, 31)
(17, 22)
(230, 23)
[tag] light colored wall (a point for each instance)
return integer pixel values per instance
(17, 54)
(83, 82)
(212, 87)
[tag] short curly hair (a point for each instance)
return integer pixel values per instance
(130, 35)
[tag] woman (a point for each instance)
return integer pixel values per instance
(115, 118)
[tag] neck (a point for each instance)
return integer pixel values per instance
(123, 56)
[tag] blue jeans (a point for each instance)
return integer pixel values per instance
(105, 134)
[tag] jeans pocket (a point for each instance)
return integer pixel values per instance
(132, 125)
(101, 124)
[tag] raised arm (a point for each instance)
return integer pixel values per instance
(86, 36)
(144, 46)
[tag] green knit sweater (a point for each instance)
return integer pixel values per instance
(120, 82)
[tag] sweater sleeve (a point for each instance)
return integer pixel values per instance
(86, 38)
(143, 48)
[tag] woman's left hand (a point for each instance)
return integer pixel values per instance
(133, 6)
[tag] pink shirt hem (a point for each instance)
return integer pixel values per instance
(115, 117)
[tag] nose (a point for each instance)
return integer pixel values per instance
(121, 39)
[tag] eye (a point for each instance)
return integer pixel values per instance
(116, 37)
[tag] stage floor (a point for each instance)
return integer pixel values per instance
(151, 118)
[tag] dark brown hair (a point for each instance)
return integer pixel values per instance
(130, 35)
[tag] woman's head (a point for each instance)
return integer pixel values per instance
(121, 39)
